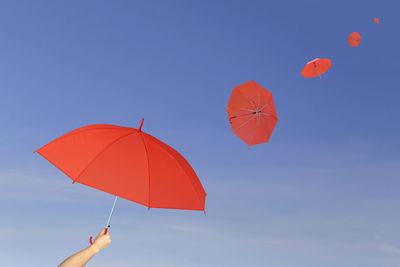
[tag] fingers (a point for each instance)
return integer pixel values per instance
(102, 240)
(105, 231)
(102, 233)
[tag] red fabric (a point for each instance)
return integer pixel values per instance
(316, 67)
(354, 39)
(251, 112)
(127, 163)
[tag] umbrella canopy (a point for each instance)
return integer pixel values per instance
(316, 67)
(354, 39)
(127, 163)
(252, 113)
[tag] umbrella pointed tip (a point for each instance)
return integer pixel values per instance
(141, 124)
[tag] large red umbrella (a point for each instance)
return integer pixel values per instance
(252, 113)
(127, 163)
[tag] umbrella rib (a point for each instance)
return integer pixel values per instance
(316, 69)
(248, 99)
(251, 102)
(95, 157)
(254, 133)
(245, 122)
(247, 109)
(238, 116)
(266, 126)
(148, 167)
(183, 169)
(263, 107)
(71, 134)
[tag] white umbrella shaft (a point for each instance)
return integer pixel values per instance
(111, 213)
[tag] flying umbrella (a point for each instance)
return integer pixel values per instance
(127, 163)
(354, 39)
(376, 20)
(316, 68)
(252, 113)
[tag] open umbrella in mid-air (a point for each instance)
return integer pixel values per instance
(252, 113)
(354, 39)
(316, 68)
(127, 163)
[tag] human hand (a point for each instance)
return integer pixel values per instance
(102, 241)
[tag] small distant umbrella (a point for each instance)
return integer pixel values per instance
(316, 68)
(354, 39)
(376, 20)
(252, 113)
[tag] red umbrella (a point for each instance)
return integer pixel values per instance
(316, 68)
(354, 39)
(127, 163)
(252, 113)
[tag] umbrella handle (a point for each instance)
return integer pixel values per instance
(91, 238)
(111, 213)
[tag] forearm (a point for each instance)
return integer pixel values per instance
(81, 258)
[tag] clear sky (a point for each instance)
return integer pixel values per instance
(322, 192)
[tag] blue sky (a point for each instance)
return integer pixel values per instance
(322, 192)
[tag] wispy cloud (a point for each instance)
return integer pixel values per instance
(116, 262)
(385, 246)
(185, 228)
(285, 243)
(27, 187)
(389, 248)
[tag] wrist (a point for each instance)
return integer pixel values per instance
(94, 249)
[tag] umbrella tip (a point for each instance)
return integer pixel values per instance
(140, 126)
